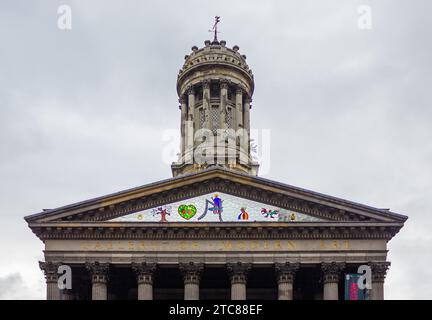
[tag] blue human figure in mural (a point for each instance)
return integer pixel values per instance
(216, 207)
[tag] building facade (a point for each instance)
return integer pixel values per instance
(215, 230)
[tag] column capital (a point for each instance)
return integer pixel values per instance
(190, 90)
(50, 270)
(379, 270)
(286, 271)
(239, 90)
(191, 272)
(238, 272)
(99, 271)
(144, 272)
(224, 83)
(206, 84)
(331, 271)
(182, 99)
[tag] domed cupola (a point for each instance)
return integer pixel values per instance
(215, 88)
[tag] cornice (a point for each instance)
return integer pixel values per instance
(216, 230)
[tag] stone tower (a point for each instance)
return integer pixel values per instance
(215, 87)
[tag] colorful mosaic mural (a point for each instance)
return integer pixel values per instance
(217, 207)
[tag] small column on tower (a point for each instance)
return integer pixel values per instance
(206, 104)
(183, 108)
(239, 107)
(191, 103)
(246, 114)
(224, 103)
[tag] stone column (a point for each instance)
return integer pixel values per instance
(191, 103)
(238, 276)
(246, 114)
(191, 275)
(144, 272)
(379, 271)
(189, 126)
(239, 107)
(183, 108)
(223, 103)
(50, 271)
(206, 104)
(99, 274)
(285, 277)
(331, 273)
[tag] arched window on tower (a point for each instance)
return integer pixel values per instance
(214, 117)
(214, 90)
(229, 117)
(201, 118)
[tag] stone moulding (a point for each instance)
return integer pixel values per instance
(215, 230)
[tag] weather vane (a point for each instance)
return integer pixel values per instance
(214, 29)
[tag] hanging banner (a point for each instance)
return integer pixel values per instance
(352, 291)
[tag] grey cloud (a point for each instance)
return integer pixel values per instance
(82, 112)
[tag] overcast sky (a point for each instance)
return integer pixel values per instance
(82, 111)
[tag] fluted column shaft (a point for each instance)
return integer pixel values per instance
(246, 114)
(183, 108)
(239, 107)
(191, 276)
(191, 103)
(50, 271)
(331, 273)
(285, 277)
(99, 276)
(379, 271)
(223, 104)
(144, 272)
(206, 104)
(189, 127)
(238, 276)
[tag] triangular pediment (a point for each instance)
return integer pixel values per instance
(237, 191)
(217, 207)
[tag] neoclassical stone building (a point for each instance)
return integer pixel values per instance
(216, 230)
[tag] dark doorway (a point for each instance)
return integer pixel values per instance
(215, 284)
(261, 284)
(122, 284)
(168, 284)
(308, 284)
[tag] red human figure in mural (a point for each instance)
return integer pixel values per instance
(163, 212)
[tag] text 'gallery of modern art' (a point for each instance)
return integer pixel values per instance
(215, 230)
